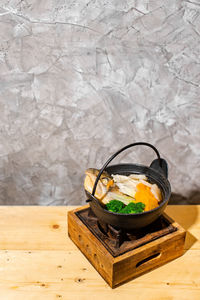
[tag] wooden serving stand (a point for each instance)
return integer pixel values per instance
(131, 264)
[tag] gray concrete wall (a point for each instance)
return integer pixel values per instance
(81, 79)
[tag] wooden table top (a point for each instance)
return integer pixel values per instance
(39, 261)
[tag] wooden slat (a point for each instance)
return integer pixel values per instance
(188, 216)
(68, 275)
(34, 227)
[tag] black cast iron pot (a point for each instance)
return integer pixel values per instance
(156, 173)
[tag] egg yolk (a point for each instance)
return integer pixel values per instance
(145, 196)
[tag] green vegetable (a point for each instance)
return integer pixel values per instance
(119, 207)
(115, 206)
(133, 208)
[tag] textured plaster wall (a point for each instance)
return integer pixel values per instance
(80, 79)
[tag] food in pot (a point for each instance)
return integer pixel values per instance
(106, 188)
(132, 189)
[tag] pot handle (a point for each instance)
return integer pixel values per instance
(160, 166)
(156, 164)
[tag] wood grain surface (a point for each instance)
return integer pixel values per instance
(39, 261)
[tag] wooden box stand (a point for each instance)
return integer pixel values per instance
(117, 270)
